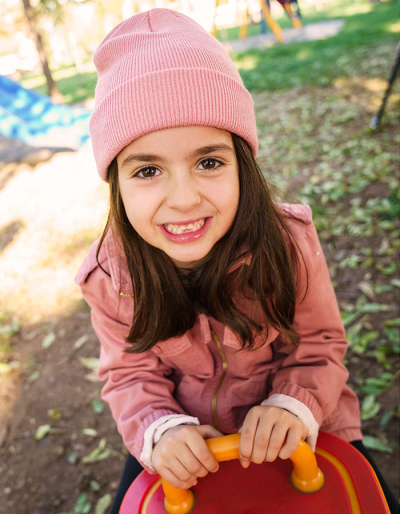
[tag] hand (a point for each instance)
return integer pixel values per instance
(269, 432)
(181, 455)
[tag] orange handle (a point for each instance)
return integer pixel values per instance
(306, 476)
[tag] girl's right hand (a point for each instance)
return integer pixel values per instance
(181, 455)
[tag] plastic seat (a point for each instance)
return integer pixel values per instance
(348, 486)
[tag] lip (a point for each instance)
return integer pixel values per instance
(188, 237)
(186, 222)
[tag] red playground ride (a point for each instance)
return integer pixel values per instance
(336, 479)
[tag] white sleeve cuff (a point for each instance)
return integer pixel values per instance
(154, 432)
(300, 410)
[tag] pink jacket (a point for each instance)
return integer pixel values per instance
(202, 373)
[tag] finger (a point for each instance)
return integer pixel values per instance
(179, 466)
(244, 463)
(207, 431)
(204, 461)
(249, 429)
(203, 453)
(261, 442)
(278, 436)
(291, 442)
(193, 462)
(172, 479)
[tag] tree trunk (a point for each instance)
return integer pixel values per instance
(54, 92)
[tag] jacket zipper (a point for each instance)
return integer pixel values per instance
(222, 378)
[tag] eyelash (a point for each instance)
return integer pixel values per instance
(136, 175)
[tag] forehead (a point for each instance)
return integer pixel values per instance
(179, 141)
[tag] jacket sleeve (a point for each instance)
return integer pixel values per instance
(137, 386)
(313, 373)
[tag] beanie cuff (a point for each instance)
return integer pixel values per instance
(170, 98)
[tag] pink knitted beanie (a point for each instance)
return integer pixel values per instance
(160, 69)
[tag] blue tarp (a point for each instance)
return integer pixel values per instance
(31, 117)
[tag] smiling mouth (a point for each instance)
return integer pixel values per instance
(184, 229)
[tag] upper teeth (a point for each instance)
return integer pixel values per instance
(180, 229)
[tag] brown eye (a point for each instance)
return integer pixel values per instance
(210, 164)
(148, 172)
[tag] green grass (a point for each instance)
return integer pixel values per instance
(369, 28)
(75, 87)
(318, 63)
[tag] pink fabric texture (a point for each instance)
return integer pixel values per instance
(180, 375)
(160, 69)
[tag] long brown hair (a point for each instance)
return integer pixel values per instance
(167, 300)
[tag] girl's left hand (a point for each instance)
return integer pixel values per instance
(269, 432)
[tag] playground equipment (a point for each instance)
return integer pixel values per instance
(291, 8)
(336, 479)
(31, 117)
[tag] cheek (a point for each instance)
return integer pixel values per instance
(229, 200)
(139, 209)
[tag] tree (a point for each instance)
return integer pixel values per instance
(54, 92)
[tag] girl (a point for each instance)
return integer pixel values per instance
(213, 304)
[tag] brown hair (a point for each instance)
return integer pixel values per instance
(167, 300)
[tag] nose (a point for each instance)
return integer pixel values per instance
(183, 193)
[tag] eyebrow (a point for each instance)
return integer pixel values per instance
(203, 150)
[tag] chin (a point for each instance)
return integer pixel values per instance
(187, 261)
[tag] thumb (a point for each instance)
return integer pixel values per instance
(207, 431)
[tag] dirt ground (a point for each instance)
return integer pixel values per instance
(52, 206)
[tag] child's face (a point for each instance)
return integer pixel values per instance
(180, 189)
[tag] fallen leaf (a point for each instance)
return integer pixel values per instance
(91, 432)
(98, 406)
(94, 486)
(82, 506)
(370, 407)
(392, 322)
(385, 419)
(98, 454)
(374, 307)
(42, 431)
(72, 457)
(387, 270)
(382, 288)
(92, 377)
(372, 443)
(55, 414)
(48, 340)
(366, 288)
(80, 342)
(35, 376)
(91, 363)
(103, 503)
